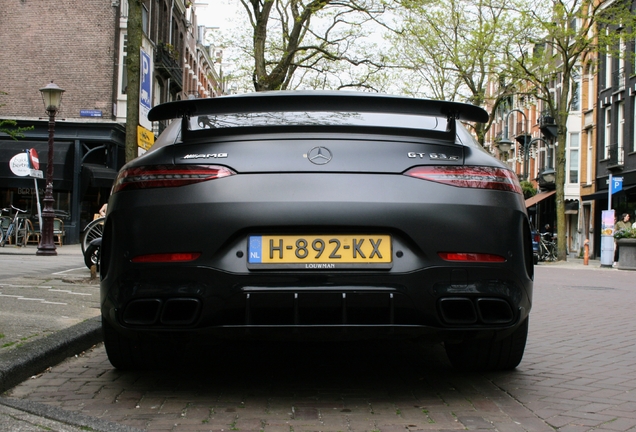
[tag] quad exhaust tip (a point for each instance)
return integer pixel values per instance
(466, 311)
(174, 311)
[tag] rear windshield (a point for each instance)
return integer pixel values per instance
(317, 119)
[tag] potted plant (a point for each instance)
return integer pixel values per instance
(626, 244)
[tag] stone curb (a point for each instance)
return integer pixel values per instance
(69, 418)
(34, 357)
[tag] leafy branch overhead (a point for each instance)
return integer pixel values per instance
(295, 36)
(453, 50)
(563, 42)
(10, 127)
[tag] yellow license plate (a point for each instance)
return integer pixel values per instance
(318, 252)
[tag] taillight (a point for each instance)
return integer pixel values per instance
(162, 176)
(470, 257)
(167, 257)
(469, 177)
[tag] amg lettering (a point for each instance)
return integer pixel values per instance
(205, 156)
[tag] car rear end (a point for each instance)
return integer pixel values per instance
(316, 230)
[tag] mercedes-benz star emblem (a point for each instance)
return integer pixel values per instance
(319, 155)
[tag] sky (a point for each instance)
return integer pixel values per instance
(216, 13)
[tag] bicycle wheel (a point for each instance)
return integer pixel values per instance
(7, 235)
(91, 257)
(21, 235)
(92, 231)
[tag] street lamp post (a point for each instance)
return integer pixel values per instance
(52, 97)
(505, 143)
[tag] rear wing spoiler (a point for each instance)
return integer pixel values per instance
(317, 101)
(343, 101)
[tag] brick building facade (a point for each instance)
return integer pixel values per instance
(81, 46)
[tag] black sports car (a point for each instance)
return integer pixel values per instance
(317, 215)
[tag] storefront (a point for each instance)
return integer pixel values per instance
(541, 209)
(623, 201)
(86, 159)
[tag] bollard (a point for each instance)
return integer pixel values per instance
(586, 254)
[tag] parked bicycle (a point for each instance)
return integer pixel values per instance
(547, 247)
(91, 232)
(91, 242)
(17, 228)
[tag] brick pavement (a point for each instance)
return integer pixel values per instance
(578, 374)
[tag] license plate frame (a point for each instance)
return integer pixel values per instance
(319, 251)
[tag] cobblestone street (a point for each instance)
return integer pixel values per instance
(578, 374)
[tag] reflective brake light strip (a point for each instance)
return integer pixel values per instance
(469, 177)
(167, 257)
(470, 257)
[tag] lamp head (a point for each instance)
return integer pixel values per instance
(504, 145)
(52, 97)
(548, 175)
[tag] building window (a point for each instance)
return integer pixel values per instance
(144, 19)
(573, 159)
(608, 66)
(633, 56)
(124, 69)
(634, 123)
(621, 124)
(608, 133)
(576, 90)
(620, 139)
(590, 151)
(591, 96)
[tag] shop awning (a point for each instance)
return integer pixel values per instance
(62, 163)
(98, 175)
(603, 193)
(538, 197)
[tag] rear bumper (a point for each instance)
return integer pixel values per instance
(421, 294)
(438, 303)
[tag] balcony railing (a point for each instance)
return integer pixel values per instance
(618, 79)
(616, 156)
(166, 62)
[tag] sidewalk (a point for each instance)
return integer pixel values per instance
(21, 267)
(8, 249)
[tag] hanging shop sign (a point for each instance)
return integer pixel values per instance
(26, 164)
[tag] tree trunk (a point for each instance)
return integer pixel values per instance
(133, 55)
(559, 169)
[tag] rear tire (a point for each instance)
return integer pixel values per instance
(123, 353)
(138, 353)
(91, 232)
(489, 354)
(91, 256)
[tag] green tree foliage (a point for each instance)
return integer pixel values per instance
(561, 37)
(452, 49)
(10, 128)
(528, 189)
(310, 43)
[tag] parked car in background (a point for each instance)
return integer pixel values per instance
(536, 239)
(323, 215)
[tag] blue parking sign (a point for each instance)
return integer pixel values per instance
(617, 184)
(146, 81)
